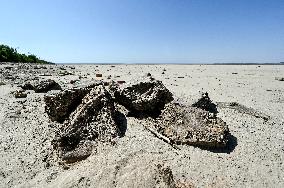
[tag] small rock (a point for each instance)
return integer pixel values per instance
(36, 67)
(280, 79)
(45, 74)
(8, 68)
(47, 85)
(73, 81)
(20, 94)
(106, 83)
(9, 77)
(205, 103)
(120, 81)
(65, 73)
(62, 68)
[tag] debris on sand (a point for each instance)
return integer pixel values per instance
(183, 124)
(20, 94)
(73, 81)
(93, 120)
(45, 74)
(144, 97)
(46, 85)
(120, 81)
(279, 79)
(205, 103)
(65, 73)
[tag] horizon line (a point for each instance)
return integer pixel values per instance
(245, 63)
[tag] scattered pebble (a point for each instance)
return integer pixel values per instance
(73, 81)
(279, 79)
(20, 94)
(120, 81)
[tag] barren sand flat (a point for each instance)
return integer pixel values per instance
(254, 156)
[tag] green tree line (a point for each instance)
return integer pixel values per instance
(9, 54)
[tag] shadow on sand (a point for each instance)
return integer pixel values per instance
(231, 145)
(121, 122)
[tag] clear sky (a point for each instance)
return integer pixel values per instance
(145, 31)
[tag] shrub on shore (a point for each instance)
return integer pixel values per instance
(9, 54)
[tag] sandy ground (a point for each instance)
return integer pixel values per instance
(254, 159)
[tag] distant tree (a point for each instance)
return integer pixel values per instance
(9, 54)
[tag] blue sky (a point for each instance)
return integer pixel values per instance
(145, 31)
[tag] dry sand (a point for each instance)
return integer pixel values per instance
(254, 158)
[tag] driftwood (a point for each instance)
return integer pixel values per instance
(162, 137)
